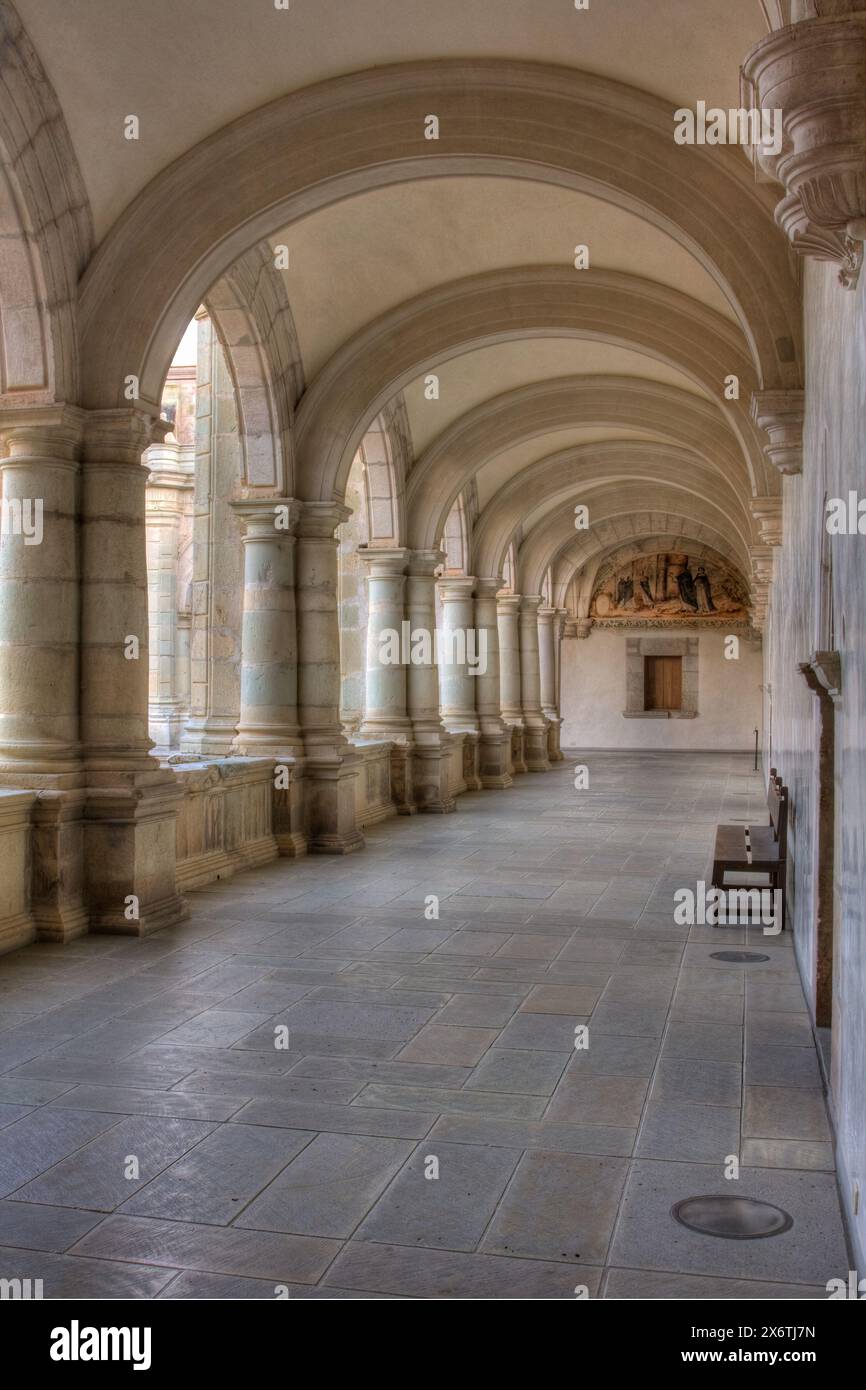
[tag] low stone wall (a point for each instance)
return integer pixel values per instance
(16, 846)
(225, 819)
(373, 799)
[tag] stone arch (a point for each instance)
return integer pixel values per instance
(590, 573)
(252, 318)
(529, 301)
(544, 407)
(366, 130)
(547, 541)
(576, 474)
(46, 232)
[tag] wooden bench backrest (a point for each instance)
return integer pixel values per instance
(777, 804)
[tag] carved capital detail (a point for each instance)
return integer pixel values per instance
(780, 415)
(815, 73)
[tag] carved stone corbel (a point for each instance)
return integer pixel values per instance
(767, 512)
(780, 415)
(814, 72)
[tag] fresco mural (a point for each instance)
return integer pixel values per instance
(669, 587)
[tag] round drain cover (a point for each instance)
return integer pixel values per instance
(732, 1218)
(738, 957)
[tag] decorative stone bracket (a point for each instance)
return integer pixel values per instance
(780, 415)
(815, 73)
(823, 674)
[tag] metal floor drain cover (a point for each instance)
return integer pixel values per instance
(732, 1218)
(738, 957)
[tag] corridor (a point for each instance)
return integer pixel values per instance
(315, 1087)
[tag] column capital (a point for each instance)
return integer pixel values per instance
(546, 615)
(42, 431)
(507, 604)
(319, 520)
(487, 588)
(529, 605)
(780, 415)
(424, 563)
(384, 563)
(121, 436)
(263, 518)
(455, 588)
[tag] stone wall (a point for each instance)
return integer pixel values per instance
(800, 624)
(596, 694)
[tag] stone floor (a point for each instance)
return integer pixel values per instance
(263, 1171)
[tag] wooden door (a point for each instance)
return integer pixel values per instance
(663, 682)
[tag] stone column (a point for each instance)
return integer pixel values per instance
(432, 743)
(39, 652)
(331, 762)
(548, 642)
(181, 660)
(387, 645)
(495, 761)
(534, 722)
(457, 655)
(217, 578)
(164, 501)
(508, 621)
(268, 721)
(131, 801)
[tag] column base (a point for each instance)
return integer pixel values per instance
(535, 748)
(554, 727)
(290, 818)
(402, 783)
(130, 841)
(212, 738)
(330, 805)
(57, 907)
(430, 779)
(516, 752)
(495, 760)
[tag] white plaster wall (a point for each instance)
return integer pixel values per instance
(835, 322)
(593, 697)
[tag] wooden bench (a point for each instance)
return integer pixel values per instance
(749, 850)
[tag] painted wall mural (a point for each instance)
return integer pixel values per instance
(669, 587)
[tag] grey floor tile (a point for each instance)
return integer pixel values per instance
(424, 1273)
(584, 1098)
(43, 1138)
(217, 1179)
(336, 1119)
(646, 1284)
(182, 1245)
(448, 1211)
(542, 1032)
(534, 1134)
(449, 1102)
(783, 1112)
(329, 1187)
(517, 1072)
(689, 1133)
(98, 1177)
(449, 1044)
(691, 1079)
(811, 1252)
(67, 1277)
(558, 1207)
(25, 1226)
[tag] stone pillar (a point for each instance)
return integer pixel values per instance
(217, 579)
(495, 761)
(458, 653)
(164, 500)
(548, 642)
(456, 645)
(131, 801)
(534, 722)
(39, 654)
(268, 721)
(331, 762)
(508, 621)
(432, 743)
(385, 684)
(181, 661)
